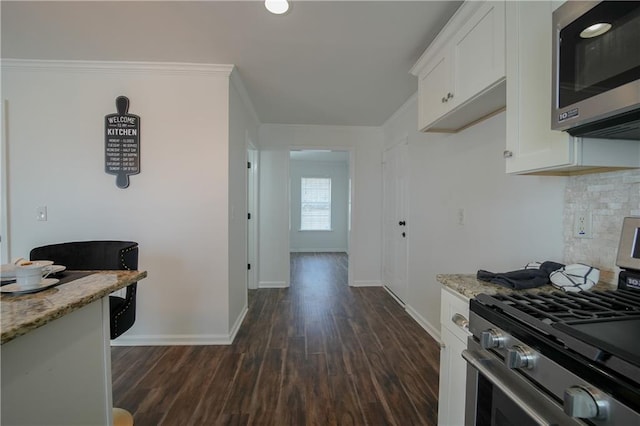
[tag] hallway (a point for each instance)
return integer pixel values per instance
(317, 353)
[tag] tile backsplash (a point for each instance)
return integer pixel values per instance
(610, 197)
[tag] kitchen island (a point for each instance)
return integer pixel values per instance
(56, 357)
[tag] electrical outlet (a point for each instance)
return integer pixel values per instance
(582, 225)
(461, 218)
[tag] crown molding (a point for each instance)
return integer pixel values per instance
(116, 66)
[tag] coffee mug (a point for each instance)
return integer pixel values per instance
(28, 275)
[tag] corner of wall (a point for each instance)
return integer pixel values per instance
(237, 83)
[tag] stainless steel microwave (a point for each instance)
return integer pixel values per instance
(596, 69)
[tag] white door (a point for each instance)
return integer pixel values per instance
(395, 227)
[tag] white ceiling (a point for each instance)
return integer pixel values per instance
(324, 62)
(319, 155)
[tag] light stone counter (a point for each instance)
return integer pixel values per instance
(469, 286)
(56, 353)
(21, 314)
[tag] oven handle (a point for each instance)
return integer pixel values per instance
(476, 362)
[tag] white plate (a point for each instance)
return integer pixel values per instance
(41, 262)
(15, 289)
(54, 269)
(8, 271)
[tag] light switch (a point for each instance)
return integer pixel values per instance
(41, 213)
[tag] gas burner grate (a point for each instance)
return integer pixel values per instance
(560, 307)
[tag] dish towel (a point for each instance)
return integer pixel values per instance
(535, 274)
(575, 277)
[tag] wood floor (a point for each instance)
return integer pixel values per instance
(317, 353)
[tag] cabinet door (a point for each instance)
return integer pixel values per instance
(479, 53)
(453, 378)
(433, 86)
(531, 144)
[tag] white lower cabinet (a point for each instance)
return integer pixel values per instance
(453, 369)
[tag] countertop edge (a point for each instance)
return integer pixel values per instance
(62, 310)
(469, 286)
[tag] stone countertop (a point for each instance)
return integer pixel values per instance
(469, 286)
(22, 313)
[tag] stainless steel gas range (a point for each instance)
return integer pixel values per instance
(557, 358)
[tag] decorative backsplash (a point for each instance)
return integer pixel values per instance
(610, 197)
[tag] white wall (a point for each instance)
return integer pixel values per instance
(176, 208)
(509, 220)
(334, 240)
(243, 126)
(365, 146)
(273, 220)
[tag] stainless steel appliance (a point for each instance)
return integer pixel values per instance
(558, 358)
(629, 254)
(596, 69)
(554, 359)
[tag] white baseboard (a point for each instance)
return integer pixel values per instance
(366, 283)
(172, 340)
(433, 331)
(182, 339)
(322, 250)
(273, 284)
(238, 323)
(396, 298)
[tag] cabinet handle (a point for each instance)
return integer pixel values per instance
(507, 154)
(460, 321)
(444, 100)
(449, 95)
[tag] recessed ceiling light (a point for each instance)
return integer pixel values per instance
(595, 30)
(277, 7)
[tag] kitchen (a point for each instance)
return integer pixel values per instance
(508, 220)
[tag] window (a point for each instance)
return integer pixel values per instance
(315, 204)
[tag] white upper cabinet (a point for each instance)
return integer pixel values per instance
(531, 145)
(461, 75)
(434, 85)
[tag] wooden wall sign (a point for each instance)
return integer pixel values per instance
(122, 143)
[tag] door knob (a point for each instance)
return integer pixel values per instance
(402, 223)
(404, 234)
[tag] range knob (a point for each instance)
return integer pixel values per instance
(520, 357)
(585, 402)
(491, 339)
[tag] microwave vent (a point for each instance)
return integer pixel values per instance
(622, 126)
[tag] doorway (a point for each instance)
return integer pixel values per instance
(320, 201)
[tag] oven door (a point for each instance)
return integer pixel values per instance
(498, 396)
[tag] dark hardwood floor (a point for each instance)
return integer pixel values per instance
(317, 353)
